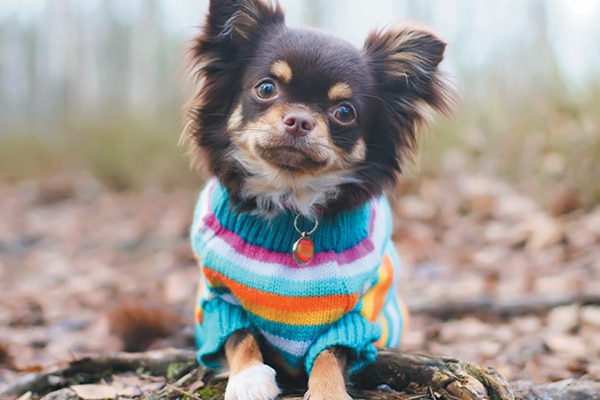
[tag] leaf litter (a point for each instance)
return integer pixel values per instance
(491, 276)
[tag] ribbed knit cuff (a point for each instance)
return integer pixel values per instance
(353, 332)
(220, 320)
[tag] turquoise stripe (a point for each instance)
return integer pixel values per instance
(278, 234)
(389, 218)
(356, 283)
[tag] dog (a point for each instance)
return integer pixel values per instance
(301, 134)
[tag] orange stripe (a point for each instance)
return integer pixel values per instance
(281, 303)
(198, 311)
(199, 314)
(374, 299)
(297, 318)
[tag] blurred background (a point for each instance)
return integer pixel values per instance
(497, 219)
(94, 86)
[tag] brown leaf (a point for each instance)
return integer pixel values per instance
(95, 392)
(543, 231)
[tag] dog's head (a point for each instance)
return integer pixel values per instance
(296, 118)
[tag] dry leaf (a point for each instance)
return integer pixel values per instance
(95, 392)
(543, 231)
(25, 396)
(566, 344)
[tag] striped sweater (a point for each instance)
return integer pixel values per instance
(346, 296)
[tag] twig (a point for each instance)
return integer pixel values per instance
(181, 391)
(503, 308)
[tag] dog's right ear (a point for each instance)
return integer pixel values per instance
(237, 21)
(216, 61)
(231, 31)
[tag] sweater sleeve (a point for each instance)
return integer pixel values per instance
(219, 320)
(353, 332)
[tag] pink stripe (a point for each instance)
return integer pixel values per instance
(286, 259)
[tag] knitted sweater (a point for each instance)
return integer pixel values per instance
(346, 296)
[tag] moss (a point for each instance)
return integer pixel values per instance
(212, 391)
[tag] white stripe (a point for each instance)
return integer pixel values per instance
(394, 317)
(293, 347)
(229, 298)
(203, 206)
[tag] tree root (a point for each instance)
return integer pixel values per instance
(395, 375)
(448, 377)
(502, 308)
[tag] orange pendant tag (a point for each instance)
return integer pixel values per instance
(303, 250)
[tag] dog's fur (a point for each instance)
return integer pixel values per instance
(297, 119)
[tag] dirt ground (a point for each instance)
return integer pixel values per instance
(490, 276)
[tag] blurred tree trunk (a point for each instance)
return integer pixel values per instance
(543, 64)
(146, 36)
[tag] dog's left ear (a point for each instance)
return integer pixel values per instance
(404, 62)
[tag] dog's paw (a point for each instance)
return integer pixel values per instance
(254, 383)
(326, 394)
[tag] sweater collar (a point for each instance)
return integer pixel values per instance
(277, 233)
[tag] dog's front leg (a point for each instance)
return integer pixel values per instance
(326, 381)
(249, 377)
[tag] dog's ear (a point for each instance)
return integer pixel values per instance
(238, 21)
(231, 31)
(216, 61)
(404, 63)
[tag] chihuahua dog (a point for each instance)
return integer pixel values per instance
(301, 133)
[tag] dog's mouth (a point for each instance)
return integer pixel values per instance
(290, 158)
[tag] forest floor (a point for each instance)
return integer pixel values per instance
(490, 276)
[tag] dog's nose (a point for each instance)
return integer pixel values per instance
(298, 125)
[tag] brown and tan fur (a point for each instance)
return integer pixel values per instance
(327, 380)
(354, 114)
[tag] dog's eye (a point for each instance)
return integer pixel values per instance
(344, 114)
(266, 90)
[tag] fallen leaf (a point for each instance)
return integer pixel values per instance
(543, 231)
(26, 396)
(566, 344)
(95, 392)
(591, 315)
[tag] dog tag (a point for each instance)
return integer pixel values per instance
(303, 250)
